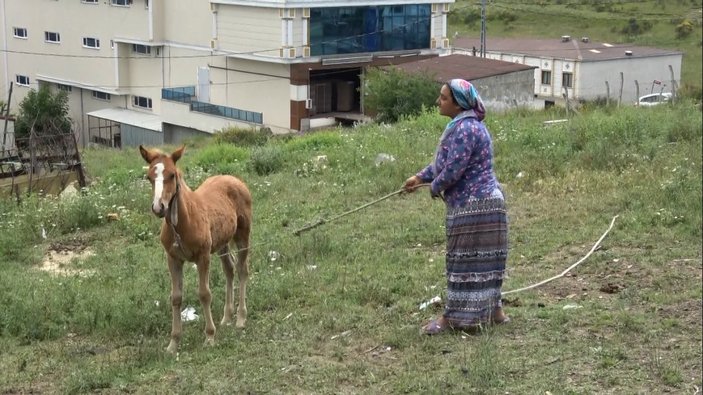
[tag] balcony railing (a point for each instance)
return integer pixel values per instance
(187, 95)
(184, 94)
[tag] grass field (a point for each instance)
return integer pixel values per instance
(654, 25)
(336, 309)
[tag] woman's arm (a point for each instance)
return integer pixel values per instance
(459, 150)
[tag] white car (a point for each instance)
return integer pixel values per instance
(654, 99)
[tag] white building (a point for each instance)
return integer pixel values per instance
(583, 69)
(156, 71)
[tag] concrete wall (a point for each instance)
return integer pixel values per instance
(507, 91)
(249, 29)
(254, 86)
(594, 74)
(186, 22)
(174, 134)
(588, 77)
(132, 136)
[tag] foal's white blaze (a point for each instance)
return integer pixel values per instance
(158, 188)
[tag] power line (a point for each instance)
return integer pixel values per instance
(512, 6)
(228, 53)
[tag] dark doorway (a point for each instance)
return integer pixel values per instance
(335, 91)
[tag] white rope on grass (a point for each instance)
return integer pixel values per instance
(595, 246)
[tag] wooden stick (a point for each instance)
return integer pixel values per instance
(595, 246)
(324, 221)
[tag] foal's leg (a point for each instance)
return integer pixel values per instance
(241, 238)
(206, 296)
(175, 267)
(228, 267)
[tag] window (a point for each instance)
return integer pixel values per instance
(22, 80)
(65, 88)
(91, 42)
(567, 80)
(142, 49)
(101, 95)
(20, 32)
(89, 1)
(125, 3)
(141, 101)
(52, 37)
(546, 77)
(344, 30)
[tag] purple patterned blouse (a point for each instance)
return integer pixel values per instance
(464, 164)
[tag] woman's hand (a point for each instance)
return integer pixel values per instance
(412, 183)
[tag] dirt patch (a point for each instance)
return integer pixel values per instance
(63, 259)
(688, 311)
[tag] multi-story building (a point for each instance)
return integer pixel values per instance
(582, 69)
(156, 71)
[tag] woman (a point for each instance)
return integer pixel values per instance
(477, 224)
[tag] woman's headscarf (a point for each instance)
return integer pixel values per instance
(467, 97)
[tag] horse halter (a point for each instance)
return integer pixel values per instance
(172, 210)
(171, 217)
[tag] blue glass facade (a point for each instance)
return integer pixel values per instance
(348, 30)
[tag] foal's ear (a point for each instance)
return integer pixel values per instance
(147, 154)
(176, 155)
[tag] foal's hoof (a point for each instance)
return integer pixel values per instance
(209, 342)
(241, 323)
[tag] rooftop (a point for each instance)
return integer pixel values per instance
(444, 68)
(565, 47)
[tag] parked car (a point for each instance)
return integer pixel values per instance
(654, 99)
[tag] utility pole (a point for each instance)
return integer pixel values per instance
(483, 28)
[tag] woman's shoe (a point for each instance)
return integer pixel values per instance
(435, 327)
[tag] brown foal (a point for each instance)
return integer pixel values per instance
(196, 224)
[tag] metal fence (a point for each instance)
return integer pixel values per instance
(187, 95)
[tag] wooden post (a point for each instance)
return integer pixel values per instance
(566, 99)
(7, 115)
(637, 89)
(622, 83)
(77, 157)
(673, 83)
(607, 93)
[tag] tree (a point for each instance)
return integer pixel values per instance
(44, 111)
(684, 29)
(391, 93)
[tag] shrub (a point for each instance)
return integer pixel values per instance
(684, 29)
(266, 160)
(691, 91)
(392, 93)
(243, 137)
(635, 28)
(44, 111)
(314, 142)
(212, 156)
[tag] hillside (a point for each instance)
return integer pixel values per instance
(337, 309)
(647, 23)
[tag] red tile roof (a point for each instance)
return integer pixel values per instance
(444, 68)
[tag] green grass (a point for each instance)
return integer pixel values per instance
(599, 20)
(337, 311)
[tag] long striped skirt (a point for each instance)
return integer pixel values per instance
(477, 249)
